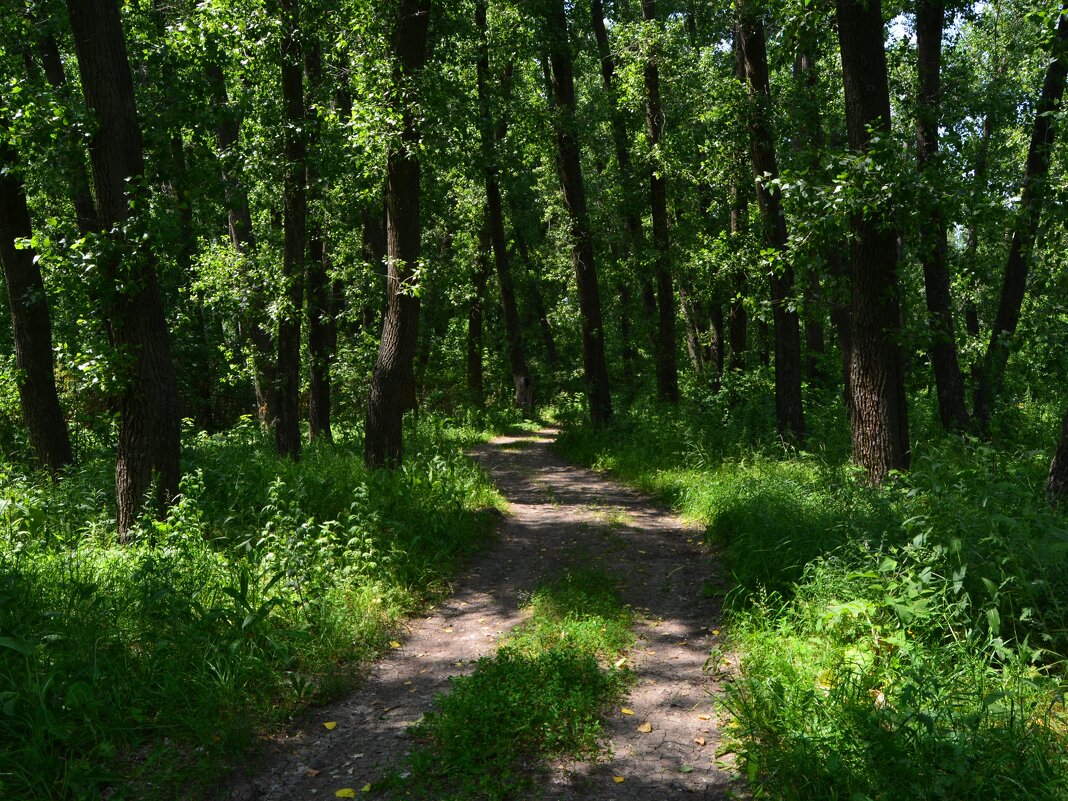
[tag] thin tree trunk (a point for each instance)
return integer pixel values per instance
(295, 196)
(1025, 228)
(392, 379)
(1057, 483)
(934, 243)
(878, 405)
(667, 371)
(693, 336)
(524, 389)
(475, 383)
(374, 250)
(574, 190)
(788, 408)
(30, 320)
(842, 313)
(149, 429)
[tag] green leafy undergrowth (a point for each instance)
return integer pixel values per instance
(542, 695)
(138, 670)
(896, 642)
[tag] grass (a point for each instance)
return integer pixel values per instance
(897, 642)
(540, 696)
(142, 670)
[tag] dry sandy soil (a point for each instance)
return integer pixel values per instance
(560, 517)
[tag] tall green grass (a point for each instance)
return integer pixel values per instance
(139, 670)
(898, 642)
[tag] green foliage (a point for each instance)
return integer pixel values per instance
(150, 664)
(540, 696)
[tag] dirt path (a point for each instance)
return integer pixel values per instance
(561, 516)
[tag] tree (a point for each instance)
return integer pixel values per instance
(1057, 484)
(391, 380)
(878, 407)
(149, 441)
(569, 166)
(788, 408)
(1025, 227)
(30, 319)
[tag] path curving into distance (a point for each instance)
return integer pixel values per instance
(560, 517)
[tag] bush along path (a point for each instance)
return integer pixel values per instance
(531, 638)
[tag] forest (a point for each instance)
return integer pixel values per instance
(302, 291)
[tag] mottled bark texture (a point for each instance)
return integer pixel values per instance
(149, 429)
(667, 371)
(878, 407)
(788, 408)
(30, 320)
(1057, 484)
(490, 135)
(1025, 227)
(934, 242)
(574, 191)
(392, 379)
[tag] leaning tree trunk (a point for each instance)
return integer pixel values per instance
(392, 380)
(574, 190)
(149, 426)
(878, 405)
(788, 408)
(667, 371)
(1057, 484)
(934, 243)
(1025, 229)
(524, 389)
(30, 320)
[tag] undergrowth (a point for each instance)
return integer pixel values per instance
(139, 670)
(898, 642)
(542, 695)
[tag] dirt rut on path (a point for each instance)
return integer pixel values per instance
(561, 517)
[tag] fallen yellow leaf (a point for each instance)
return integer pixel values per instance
(394, 644)
(704, 717)
(646, 727)
(715, 632)
(345, 792)
(366, 788)
(617, 779)
(626, 711)
(330, 725)
(620, 661)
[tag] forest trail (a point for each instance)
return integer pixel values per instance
(561, 517)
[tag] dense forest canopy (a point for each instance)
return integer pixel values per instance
(841, 222)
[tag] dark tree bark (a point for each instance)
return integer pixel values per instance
(842, 312)
(373, 240)
(1057, 483)
(667, 372)
(1025, 228)
(570, 168)
(239, 218)
(30, 320)
(739, 214)
(693, 335)
(551, 352)
(788, 409)
(321, 328)
(878, 405)
(295, 197)
(391, 380)
(934, 243)
(524, 389)
(149, 427)
(475, 383)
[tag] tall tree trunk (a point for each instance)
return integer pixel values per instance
(878, 405)
(574, 190)
(934, 243)
(739, 213)
(1025, 227)
(239, 218)
(321, 327)
(788, 409)
(842, 312)
(149, 428)
(475, 384)
(632, 226)
(1057, 483)
(524, 389)
(295, 195)
(391, 380)
(667, 371)
(373, 241)
(30, 320)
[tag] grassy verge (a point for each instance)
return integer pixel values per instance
(139, 670)
(540, 696)
(902, 642)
